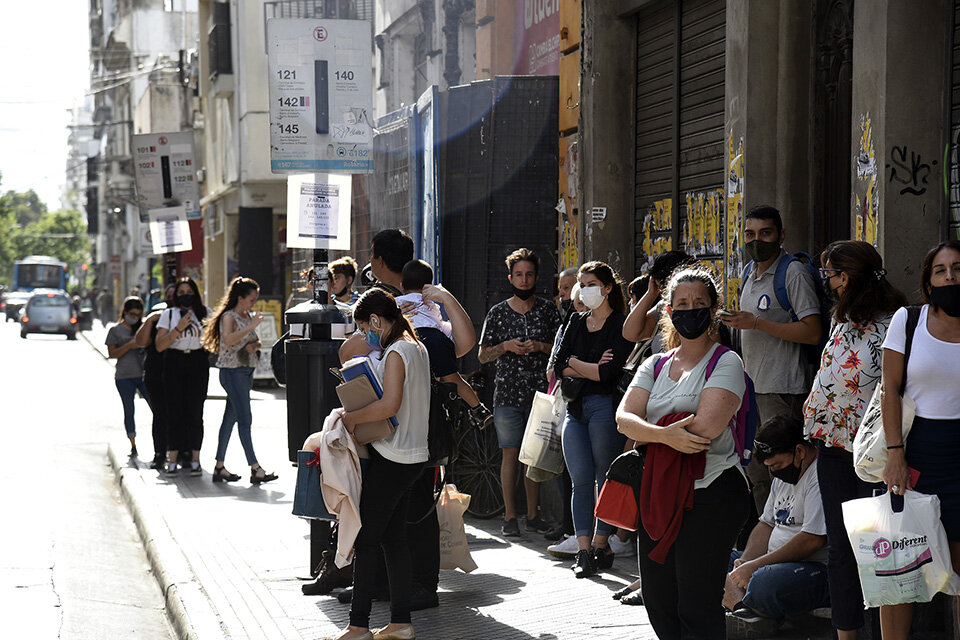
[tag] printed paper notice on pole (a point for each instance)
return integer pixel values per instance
(318, 211)
(169, 230)
(321, 95)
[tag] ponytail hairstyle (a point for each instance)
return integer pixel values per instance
(868, 295)
(133, 302)
(380, 303)
(695, 273)
(606, 276)
(240, 287)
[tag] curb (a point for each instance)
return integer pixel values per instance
(188, 607)
(83, 334)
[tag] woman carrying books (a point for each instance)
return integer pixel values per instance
(395, 463)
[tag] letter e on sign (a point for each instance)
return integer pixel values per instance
(320, 34)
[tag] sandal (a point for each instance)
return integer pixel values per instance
(220, 474)
(260, 479)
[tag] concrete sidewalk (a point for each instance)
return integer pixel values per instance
(230, 558)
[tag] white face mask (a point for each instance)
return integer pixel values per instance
(591, 296)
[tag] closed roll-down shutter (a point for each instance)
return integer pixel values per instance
(953, 219)
(679, 200)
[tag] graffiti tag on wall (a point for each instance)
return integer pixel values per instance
(909, 171)
(733, 265)
(866, 194)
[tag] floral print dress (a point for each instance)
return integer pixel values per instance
(850, 369)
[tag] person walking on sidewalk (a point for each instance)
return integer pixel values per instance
(230, 332)
(518, 334)
(186, 373)
(122, 345)
(589, 364)
(153, 379)
(683, 593)
(395, 464)
(850, 369)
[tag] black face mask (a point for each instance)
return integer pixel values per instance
(789, 474)
(761, 251)
(523, 294)
(692, 323)
(185, 300)
(947, 298)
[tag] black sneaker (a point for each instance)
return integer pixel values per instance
(584, 567)
(157, 462)
(171, 469)
(511, 528)
(745, 624)
(421, 598)
(603, 558)
(554, 534)
(195, 470)
(537, 524)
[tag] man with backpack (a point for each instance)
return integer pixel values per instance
(780, 313)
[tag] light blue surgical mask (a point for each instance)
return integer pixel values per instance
(372, 339)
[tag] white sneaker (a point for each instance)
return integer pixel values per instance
(566, 548)
(620, 548)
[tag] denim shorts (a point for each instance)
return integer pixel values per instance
(510, 423)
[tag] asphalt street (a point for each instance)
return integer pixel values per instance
(71, 562)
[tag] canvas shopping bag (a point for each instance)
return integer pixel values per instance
(541, 447)
(454, 552)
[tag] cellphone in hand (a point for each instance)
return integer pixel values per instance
(724, 313)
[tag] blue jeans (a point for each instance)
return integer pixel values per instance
(128, 388)
(590, 444)
(237, 383)
(510, 423)
(786, 588)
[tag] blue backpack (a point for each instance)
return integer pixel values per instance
(745, 421)
(812, 352)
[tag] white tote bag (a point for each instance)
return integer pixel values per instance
(541, 447)
(870, 443)
(901, 557)
(454, 550)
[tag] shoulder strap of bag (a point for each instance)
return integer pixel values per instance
(714, 359)
(780, 285)
(913, 319)
(662, 360)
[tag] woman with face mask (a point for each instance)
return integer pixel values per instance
(933, 372)
(395, 464)
(230, 332)
(122, 345)
(186, 373)
(853, 273)
(589, 363)
(682, 594)
(153, 378)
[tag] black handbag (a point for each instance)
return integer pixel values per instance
(641, 352)
(571, 388)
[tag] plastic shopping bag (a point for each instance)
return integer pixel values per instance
(901, 556)
(454, 552)
(870, 443)
(541, 446)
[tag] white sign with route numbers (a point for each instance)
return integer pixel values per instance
(321, 95)
(166, 172)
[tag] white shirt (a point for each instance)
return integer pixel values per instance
(408, 444)
(190, 338)
(933, 372)
(426, 315)
(795, 508)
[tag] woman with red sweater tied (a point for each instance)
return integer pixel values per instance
(683, 593)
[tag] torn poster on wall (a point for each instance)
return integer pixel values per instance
(657, 232)
(866, 194)
(702, 235)
(734, 223)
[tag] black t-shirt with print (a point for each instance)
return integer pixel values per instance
(519, 377)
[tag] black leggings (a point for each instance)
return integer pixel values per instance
(158, 405)
(185, 378)
(683, 596)
(383, 512)
(423, 529)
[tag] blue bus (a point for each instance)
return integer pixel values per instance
(39, 272)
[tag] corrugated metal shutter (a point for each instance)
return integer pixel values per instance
(953, 220)
(679, 126)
